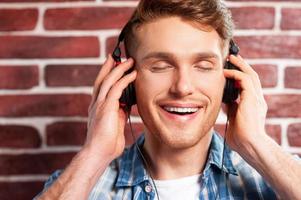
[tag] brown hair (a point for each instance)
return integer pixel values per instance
(211, 13)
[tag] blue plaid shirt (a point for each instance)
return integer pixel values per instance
(126, 177)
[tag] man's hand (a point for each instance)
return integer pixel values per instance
(247, 116)
(246, 134)
(106, 119)
(105, 139)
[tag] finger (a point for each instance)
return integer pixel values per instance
(116, 91)
(113, 77)
(245, 67)
(105, 69)
(247, 86)
(241, 64)
(244, 80)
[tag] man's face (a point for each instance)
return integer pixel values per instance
(179, 85)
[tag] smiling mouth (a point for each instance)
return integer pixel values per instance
(181, 110)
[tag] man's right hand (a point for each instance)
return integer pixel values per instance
(106, 118)
(105, 138)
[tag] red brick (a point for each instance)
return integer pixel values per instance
(292, 77)
(20, 190)
(18, 19)
(253, 17)
(18, 77)
(138, 128)
(66, 133)
(269, 46)
(274, 131)
(294, 134)
(44, 105)
(42, 163)
(291, 18)
(48, 47)
(71, 75)
(86, 18)
(16, 136)
(268, 75)
(286, 105)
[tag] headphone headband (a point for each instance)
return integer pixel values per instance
(117, 52)
(234, 49)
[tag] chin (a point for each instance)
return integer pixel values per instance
(179, 144)
(176, 138)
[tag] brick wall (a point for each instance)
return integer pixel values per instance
(51, 51)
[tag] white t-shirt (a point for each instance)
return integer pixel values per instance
(179, 189)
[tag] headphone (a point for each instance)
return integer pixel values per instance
(128, 97)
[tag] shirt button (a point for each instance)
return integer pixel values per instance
(148, 188)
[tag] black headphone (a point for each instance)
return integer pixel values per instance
(231, 91)
(128, 97)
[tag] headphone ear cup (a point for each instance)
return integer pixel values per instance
(230, 91)
(128, 96)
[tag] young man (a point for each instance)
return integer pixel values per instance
(179, 49)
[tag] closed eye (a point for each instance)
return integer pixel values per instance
(204, 65)
(160, 68)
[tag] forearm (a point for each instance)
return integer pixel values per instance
(277, 167)
(78, 178)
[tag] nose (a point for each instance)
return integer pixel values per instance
(182, 84)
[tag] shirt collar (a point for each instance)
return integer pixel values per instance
(132, 171)
(216, 155)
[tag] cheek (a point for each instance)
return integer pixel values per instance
(149, 85)
(210, 85)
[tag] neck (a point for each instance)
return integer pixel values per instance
(169, 163)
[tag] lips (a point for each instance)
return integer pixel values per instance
(180, 112)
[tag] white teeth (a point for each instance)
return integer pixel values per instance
(181, 110)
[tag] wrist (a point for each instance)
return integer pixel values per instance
(251, 150)
(96, 153)
(92, 160)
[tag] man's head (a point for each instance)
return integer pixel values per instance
(179, 51)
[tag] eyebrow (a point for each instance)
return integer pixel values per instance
(166, 55)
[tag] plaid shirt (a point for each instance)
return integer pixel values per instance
(126, 177)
